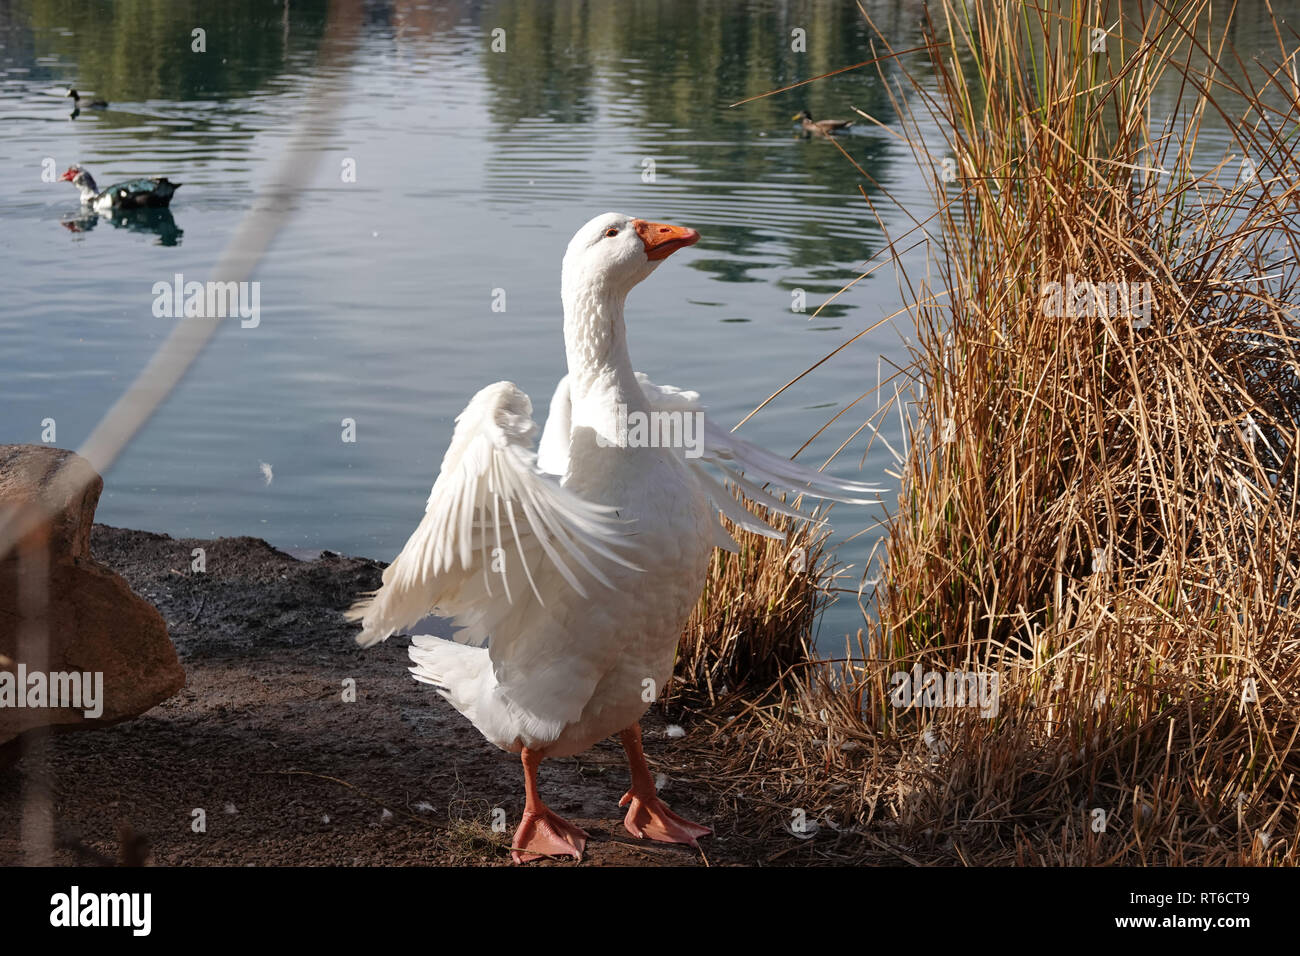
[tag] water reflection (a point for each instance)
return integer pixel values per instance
(474, 168)
(158, 222)
(643, 89)
(136, 50)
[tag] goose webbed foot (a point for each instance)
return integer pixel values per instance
(648, 818)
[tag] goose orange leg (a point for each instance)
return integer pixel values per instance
(648, 817)
(542, 832)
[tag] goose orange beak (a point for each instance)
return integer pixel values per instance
(662, 240)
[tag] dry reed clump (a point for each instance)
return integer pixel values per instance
(1098, 505)
(754, 617)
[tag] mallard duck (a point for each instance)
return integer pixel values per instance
(79, 104)
(578, 560)
(132, 194)
(820, 127)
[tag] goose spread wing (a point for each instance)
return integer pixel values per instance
(500, 538)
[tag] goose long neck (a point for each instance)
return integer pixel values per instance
(601, 376)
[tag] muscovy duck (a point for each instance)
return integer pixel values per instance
(577, 560)
(132, 194)
(79, 104)
(820, 127)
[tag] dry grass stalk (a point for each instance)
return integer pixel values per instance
(754, 618)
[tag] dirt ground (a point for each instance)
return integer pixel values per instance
(287, 772)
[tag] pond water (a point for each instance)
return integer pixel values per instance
(472, 169)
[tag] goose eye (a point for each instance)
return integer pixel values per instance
(611, 232)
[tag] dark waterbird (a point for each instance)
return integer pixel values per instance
(132, 194)
(820, 127)
(79, 104)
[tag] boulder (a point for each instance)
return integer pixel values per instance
(68, 625)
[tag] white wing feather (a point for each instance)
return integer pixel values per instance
(553, 449)
(749, 466)
(493, 517)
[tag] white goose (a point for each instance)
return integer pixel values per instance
(576, 565)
